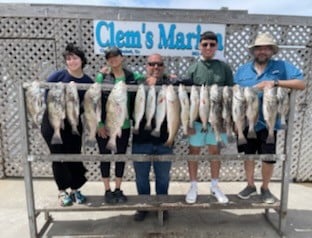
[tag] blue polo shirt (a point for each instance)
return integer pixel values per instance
(247, 76)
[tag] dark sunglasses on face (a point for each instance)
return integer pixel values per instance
(211, 45)
(153, 64)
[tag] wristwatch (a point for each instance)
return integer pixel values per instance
(276, 83)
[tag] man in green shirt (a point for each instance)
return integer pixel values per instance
(207, 71)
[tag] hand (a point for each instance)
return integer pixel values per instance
(265, 84)
(151, 80)
(173, 77)
(102, 132)
(105, 70)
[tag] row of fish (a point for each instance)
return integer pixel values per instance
(221, 107)
(224, 108)
(165, 105)
(63, 102)
(246, 105)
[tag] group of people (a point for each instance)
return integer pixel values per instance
(262, 71)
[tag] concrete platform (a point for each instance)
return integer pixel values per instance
(181, 223)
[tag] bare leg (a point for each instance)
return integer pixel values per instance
(215, 165)
(267, 172)
(118, 182)
(193, 165)
(106, 183)
(250, 171)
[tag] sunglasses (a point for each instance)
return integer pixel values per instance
(211, 45)
(153, 64)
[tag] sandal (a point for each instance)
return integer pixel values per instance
(64, 199)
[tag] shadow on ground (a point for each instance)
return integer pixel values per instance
(185, 223)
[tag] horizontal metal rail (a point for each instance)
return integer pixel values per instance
(144, 157)
(108, 86)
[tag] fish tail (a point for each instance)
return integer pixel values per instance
(231, 138)
(90, 142)
(155, 133)
(111, 145)
(252, 134)
(283, 123)
(241, 141)
(168, 143)
(148, 127)
(220, 144)
(56, 139)
(283, 126)
(75, 131)
(135, 131)
(270, 139)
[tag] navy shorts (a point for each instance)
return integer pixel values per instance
(259, 145)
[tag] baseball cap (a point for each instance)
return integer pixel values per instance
(114, 51)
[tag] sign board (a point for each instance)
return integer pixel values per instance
(145, 38)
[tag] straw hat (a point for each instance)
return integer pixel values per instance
(264, 39)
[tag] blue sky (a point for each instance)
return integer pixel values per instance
(275, 7)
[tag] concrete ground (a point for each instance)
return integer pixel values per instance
(181, 223)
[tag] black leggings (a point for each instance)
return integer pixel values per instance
(66, 174)
(122, 144)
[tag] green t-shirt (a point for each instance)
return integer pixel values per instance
(211, 72)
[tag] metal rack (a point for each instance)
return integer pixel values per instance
(157, 202)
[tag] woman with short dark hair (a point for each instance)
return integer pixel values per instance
(68, 175)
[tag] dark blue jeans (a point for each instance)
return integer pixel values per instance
(161, 169)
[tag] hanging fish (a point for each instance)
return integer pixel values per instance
(56, 111)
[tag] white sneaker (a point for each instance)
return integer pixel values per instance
(218, 194)
(191, 195)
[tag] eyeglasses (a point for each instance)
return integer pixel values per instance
(153, 64)
(211, 45)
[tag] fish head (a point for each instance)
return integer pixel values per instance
(181, 88)
(120, 87)
(227, 92)
(95, 91)
(71, 89)
(215, 93)
(270, 91)
(170, 93)
(282, 92)
(250, 92)
(238, 94)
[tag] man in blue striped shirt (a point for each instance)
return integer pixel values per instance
(262, 72)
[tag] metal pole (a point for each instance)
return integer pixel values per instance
(286, 166)
(27, 165)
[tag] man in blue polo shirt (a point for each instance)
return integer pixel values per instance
(261, 72)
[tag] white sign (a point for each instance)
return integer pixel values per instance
(145, 38)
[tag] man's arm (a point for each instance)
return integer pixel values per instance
(291, 83)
